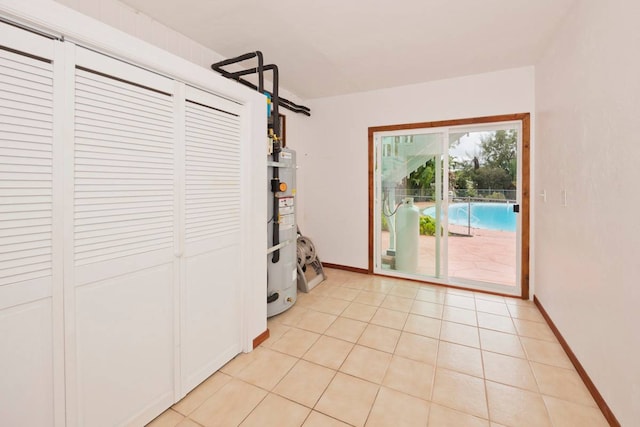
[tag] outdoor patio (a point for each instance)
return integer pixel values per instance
(486, 255)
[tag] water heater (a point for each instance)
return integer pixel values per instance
(282, 263)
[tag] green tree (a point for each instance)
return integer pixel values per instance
(465, 181)
(499, 151)
(423, 177)
(488, 177)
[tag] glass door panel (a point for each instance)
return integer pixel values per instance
(409, 182)
(483, 197)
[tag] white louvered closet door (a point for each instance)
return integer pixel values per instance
(211, 267)
(121, 249)
(29, 275)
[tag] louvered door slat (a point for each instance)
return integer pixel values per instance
(39, 68)
(24, 158)
(33, 272)
(107, 162)
(25, 100)
(223, 145)
(25, 85)
(122, 91)
(215, 115)
(25, 117)
(9, 216)
(123, 169)
(122, 243)
(88, 195)
(25, 243)
(126, 232)
(112, 157)
(139, 200)
(122, 210)
(21, 139)
(140, 148)
(201, 154)
(17, 254)
(136, 223)
(122, 110)
(103, 127)
(116, 222)
(122, 122)
(222, 134)
(139, 168)
(25, 260)
(221, 129)
(14, 104)
(18, 231)
(214, 165)
(26, 120)
(205, 222)
(116, 106)
(212, 172)
(25, 224)
(26, 127)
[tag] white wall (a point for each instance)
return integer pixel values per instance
(125, 18)
(333, 158)
(587, 269)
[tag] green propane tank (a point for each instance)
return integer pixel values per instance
(408, 233)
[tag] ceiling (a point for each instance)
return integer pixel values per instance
(334, 47)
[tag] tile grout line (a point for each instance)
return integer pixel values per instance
(435, 366)
(401, 331)
(484, 373)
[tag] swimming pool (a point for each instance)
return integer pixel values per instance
(490, 216)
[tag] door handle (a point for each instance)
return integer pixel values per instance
(516, 208)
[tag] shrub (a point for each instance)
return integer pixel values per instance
(427, 226)
(497, 195)
(384, 223)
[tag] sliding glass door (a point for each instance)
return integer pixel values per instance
(445, 205)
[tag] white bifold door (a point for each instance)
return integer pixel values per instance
(120, 236)
(30, 269)
(212, 221)
(121, 266)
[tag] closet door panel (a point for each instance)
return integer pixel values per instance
(124, 346)
(123, 241)
(26, 381)
(211, 307)
(26, 229)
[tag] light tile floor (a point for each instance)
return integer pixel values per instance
(362, 350)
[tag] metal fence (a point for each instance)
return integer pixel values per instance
(484, 195)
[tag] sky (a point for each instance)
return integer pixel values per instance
(468, 147)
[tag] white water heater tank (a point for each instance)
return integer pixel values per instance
(408, 234)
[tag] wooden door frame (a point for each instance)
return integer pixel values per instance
(525, 119)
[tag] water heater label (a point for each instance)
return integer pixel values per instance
(287, 221)
(284, 210)
(285, 201)
(285, 155)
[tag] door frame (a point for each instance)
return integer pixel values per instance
(525, 119)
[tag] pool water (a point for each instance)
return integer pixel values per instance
(489, 216)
